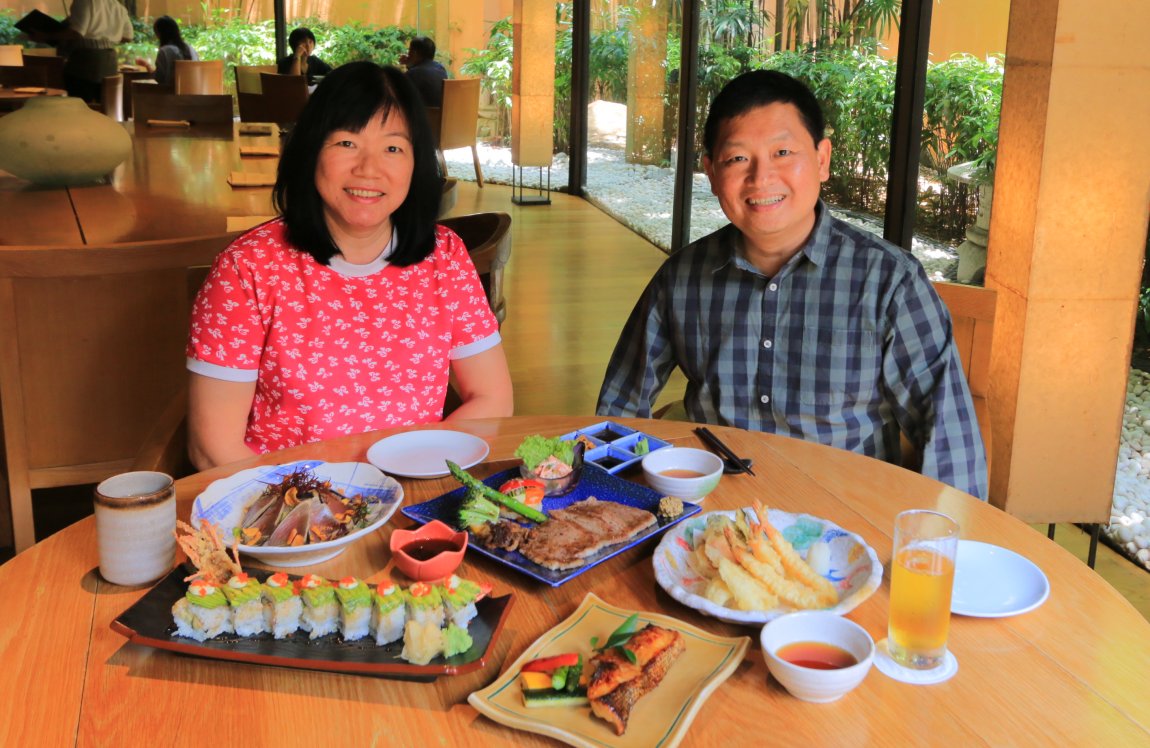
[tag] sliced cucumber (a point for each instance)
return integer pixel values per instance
(550, 697)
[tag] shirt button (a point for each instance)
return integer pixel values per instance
(766, 344)
(774, 286)
(765, 399)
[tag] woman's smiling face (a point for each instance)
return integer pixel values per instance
(362, 178)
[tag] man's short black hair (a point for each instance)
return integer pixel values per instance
(299, 36)
(423, 46)
(350, 97)
(759, 88)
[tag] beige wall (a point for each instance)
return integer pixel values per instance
(976, 27)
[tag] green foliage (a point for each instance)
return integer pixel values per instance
(493, 65)
(9, 34)
(357, 41)
(610, 53)
(962, 103)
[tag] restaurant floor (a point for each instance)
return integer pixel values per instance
(562, 324)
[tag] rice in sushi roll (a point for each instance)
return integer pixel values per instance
(282, 605)
(354, 608)
(243, 594)
(422, 642)
(425, 604)
(203, 612)
(320, 609)
(459, 598)
(388, 612)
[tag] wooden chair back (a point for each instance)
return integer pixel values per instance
(487, 237)
(92, 341)
(199, 109)
(249, 89)
(449, 196)
(113, 97)
(459, 120)
(22, 75)
(199, 77)
(40, 52)
(131, 77)
(52, 67)
(972, 315)
(281, 100)
(11, 54)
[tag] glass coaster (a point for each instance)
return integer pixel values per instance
(888, 667)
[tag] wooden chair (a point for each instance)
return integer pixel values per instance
(131, 77)
(113, 97)
(199, 77)
(249, 89)
(40, 52)
(449, 197)
(92, 366)
(281, 100)
(52, 67)
(199, 109)
(972, 313)
(459, 120)
(487, 237)
(22, 75)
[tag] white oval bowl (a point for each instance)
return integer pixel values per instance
(683, 458)
(223, 503)
(810, 684)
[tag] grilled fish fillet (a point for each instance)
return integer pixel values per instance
(617, 684)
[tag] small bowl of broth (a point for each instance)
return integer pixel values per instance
(428, 553)
(816, 655)
(683, 472)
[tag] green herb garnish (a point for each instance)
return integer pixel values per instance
(619, 637)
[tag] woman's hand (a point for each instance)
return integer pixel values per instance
(484, 384)
(217, 420)
(145, 64)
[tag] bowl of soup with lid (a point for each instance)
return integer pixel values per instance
(683, 472)
(817, 655)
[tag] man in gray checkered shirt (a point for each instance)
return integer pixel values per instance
(791, 321)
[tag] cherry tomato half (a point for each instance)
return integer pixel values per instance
(527, 490)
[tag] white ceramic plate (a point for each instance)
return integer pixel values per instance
(423, 454)
(854, 568)
(223, 502)
(993, 582)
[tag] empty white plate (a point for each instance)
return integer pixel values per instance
(993, 582)
(423, 454)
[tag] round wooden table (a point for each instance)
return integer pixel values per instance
(1071, 672)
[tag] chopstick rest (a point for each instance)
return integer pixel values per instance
(248, 128)
(251, 179)
(169, 123)
(259, 150)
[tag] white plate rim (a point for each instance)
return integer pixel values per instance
(316, 552)
(374, 458)
(959, 608)
(665, 579)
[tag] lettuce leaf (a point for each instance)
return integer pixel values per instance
(535, 449)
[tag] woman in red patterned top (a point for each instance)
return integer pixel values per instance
(349, 312)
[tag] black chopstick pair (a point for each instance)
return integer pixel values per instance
(740, 465)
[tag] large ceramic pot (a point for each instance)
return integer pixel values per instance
(58, 140)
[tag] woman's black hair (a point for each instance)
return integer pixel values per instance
(168, 32)
(347, 99)
(760, 88)
(299, 36)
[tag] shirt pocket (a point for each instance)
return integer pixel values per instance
(839, 367)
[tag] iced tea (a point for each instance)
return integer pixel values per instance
(922, 579)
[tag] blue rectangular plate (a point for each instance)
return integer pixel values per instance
(597, 483)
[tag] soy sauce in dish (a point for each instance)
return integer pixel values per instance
(608, 462)
(817, 656)
(606, 435)
(428, 548)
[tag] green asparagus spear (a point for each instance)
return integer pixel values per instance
(471, 481)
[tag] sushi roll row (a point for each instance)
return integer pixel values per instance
(431, 619)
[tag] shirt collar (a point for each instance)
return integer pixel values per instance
(816, 249)
(351, 270)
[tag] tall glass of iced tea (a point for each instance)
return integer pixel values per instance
(921, 580)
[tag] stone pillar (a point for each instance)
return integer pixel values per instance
(646, 82)
(533, 83)
(1067, 238)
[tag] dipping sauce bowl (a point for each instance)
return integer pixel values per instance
(428, 553)
(819, 628)
(684, 472)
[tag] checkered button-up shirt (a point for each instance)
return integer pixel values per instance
(847, 345)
